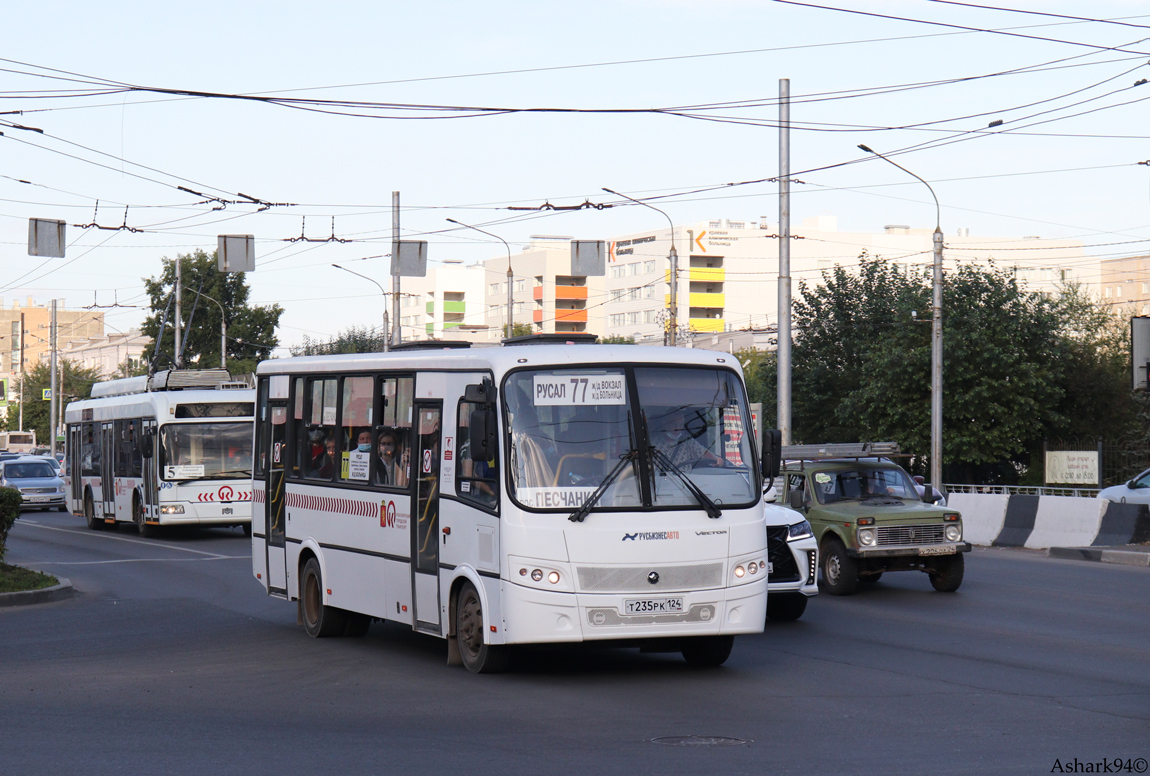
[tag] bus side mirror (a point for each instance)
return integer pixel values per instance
(772, 458)
(480, 393)
(482, 434)
(146, 445)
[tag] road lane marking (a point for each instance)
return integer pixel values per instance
(94, 534)
(132, 560)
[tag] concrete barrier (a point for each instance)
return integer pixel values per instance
(1123, 523)
(1063, 521)
(982, 515)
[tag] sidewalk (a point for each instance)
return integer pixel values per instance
(1126, 554)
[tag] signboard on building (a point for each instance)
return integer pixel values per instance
(1075, 467)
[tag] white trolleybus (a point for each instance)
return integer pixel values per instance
(172, 449)
(514, 495)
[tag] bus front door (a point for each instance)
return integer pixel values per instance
(425, 536)
(274, 527)
(151, 481)
(108, 470)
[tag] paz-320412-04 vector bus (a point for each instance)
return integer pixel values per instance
(514, 495)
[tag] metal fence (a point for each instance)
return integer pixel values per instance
(1123, 458)
(1021, 490)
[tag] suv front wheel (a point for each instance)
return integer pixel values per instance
(840, 571)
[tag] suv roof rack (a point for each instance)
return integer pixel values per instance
(431, 344)
(841, 450)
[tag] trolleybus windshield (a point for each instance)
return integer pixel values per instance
(569, 428)
(199, 451)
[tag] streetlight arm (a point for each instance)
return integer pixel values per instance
(510, 275)
(937, 209)
(365, 277)
(644, 204)
(386, 338)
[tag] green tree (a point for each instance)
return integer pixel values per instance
(250, 328)
(1018, 367)
(519, 329)
(76, 383)
(616, 339)
(357, 339)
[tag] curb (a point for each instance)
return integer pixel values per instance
(1102, 555)
(25, 597)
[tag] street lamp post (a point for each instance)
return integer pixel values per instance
(935, 336)
(386, 345)
(671, 337)
(510, 300)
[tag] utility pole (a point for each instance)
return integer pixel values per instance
(21, 371)
(936, 367)
(397, 330)
(52, 406)
(673, 258)
(783, 352)
(178, 359)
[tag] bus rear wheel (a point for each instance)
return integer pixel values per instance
(478, 656)
(319, 620)
(707, 651)
(94, 523)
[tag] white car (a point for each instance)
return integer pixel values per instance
(1135, 491)
(793, 562)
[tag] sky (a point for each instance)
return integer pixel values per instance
(98, 97)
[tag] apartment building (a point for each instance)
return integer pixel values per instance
(446, 304)
(1125, 283)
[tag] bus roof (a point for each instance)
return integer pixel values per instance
(500, 359)
(159, 405)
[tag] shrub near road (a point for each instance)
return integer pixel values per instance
(13, 578)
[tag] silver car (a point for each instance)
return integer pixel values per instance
(1135, 491)
(37, 481)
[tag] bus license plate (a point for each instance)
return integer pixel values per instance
(948, 550)
(653, 605)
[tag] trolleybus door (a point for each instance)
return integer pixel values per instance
(425, 536)
(108, 469)
(274, 524)
(151, 482)
(75, 459)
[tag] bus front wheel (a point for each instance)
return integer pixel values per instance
(319, 620)
(142, 527)
(478, 656)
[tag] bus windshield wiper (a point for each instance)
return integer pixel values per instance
(661, 458)
(585, 508)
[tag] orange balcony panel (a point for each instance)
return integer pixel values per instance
(538, 317)
(571, 316)
(570, 292)
(537, 293)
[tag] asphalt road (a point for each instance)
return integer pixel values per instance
(171, 660)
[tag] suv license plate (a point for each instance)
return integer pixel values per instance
(947, 550)
(653, 605)
(39, 499)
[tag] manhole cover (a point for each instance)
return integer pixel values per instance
(700, 741)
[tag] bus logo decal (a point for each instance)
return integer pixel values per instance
(647, 536)
(226, 493)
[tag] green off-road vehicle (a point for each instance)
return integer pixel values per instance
(869, 518)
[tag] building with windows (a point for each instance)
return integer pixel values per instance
(106, 354)
(26, 332)
(446, 304)
(1125, 284)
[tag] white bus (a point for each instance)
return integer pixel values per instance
(514, 495)
(172, 449)
(18, 441)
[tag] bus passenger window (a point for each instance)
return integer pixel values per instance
(355, 458)
(319, 455)
(475, 481)
(297, 433)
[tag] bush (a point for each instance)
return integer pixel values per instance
(10, 501)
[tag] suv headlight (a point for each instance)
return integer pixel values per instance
(800, 530)
(866, 537)
(954, 532)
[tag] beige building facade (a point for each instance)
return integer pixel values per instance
(106, 354)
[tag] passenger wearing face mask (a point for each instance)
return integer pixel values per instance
(671, 437)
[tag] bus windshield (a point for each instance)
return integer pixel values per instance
(571, 428)
(206, 451)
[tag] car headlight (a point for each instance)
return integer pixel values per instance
(953, 532)
(172, 509)
(800, 530)
(866, 537)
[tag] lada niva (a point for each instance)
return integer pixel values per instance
(868, 518)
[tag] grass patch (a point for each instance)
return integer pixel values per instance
(14, 579)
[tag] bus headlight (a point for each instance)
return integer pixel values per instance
(954, 532)
(866, 537)
(172, 509)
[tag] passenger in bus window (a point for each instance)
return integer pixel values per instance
(392, 460)
(323, 466)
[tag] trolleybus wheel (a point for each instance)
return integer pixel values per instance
(707, 651)
(319, 620)
(145, 530)
(356, 625)
(94, 523)
(478, 656)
